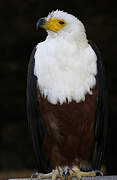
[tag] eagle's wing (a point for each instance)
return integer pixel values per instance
(101, 118)
(34, 119)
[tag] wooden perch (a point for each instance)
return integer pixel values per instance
(84, 178)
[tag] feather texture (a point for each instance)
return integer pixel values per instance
(67, 98)
(36, 122)
(65, 71)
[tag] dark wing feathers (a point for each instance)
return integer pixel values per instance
(36, 124)
(34, 119)
(101, 117)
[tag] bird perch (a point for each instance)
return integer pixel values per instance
(85, 178)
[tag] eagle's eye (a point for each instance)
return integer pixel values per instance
(61, 22)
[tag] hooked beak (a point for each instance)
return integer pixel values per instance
(41, 23)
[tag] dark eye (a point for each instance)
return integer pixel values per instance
(61, 22)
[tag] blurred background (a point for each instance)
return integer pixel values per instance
(18, 36)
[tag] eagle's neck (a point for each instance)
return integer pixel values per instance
(65, 70)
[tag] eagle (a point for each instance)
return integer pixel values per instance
(67, 100)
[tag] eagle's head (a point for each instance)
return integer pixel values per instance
(60, 23)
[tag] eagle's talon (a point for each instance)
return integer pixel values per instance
(53, 175)
(34, 174)
(79, 174)
(98, 173)
(66, 172)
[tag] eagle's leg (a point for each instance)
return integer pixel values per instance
(75, 172)
(56, 173)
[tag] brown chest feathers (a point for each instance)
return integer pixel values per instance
(69, 129)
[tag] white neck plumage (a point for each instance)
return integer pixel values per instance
(65, 68)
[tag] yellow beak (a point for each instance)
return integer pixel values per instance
(53, 24)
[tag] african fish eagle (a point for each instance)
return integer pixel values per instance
(66, 100)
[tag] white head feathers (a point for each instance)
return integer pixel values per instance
(74, 28)
(65, 64)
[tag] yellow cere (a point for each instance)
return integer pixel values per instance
(55, 24)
